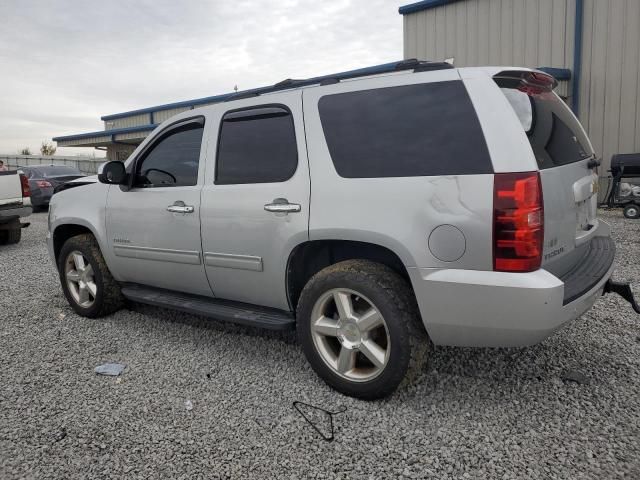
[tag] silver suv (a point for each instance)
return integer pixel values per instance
(377, 211)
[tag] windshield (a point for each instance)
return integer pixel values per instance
(555, 135)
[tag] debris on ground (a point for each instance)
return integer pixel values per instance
(188, 404)
(576, 376)
(60, 434)
(312, 411)
(110, 369)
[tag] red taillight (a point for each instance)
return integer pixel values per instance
(24, 182)
(518, 222)
(43, 184)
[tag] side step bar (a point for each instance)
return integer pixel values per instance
(233, 312)
(624, 290)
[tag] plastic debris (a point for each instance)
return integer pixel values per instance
(188, 404)
(61, 316)
(110, 369)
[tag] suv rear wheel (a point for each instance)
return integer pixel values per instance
(359, 327)
(86, 281)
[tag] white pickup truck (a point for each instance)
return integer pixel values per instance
(15, 203)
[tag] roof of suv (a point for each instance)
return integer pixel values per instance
(288, 84)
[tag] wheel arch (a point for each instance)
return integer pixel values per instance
(308, 258)
(63, 232)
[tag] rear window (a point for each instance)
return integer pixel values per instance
(555, 135)
(408, 131)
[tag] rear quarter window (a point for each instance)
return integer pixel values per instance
(406, 131)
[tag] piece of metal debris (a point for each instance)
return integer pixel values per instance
(110, 369)
(328, 438)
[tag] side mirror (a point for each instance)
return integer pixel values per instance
(112, 173)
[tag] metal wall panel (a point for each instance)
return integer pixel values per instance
(162, 115)
(536, 33)
(132, 121)
(610, 86)
(494, 32)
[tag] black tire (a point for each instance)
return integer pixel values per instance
(394, 299)
(108, 298)
(632, 211)
(10, 237)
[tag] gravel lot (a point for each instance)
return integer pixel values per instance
(476, 413)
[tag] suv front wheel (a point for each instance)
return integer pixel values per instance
(86, 281)
(359, 327)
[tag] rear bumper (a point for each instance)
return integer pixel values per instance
(497, 309)
(9, 214)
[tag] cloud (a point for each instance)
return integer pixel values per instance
(66, 63)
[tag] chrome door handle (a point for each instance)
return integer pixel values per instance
(282, 205)
(180, 207)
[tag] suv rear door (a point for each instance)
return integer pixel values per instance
(563, 153)
(255, 202)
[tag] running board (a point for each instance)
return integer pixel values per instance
(233, 312)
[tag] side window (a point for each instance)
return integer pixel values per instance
(173, 160)
(406, 131)
(257, 145)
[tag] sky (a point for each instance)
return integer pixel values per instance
(66, 63)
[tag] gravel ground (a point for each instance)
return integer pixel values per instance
(476, 413)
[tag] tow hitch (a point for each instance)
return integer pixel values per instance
(624, 290)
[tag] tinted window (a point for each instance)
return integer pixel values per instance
(408, 131)
(58, 171)
(256, 146)
(554, 133)
(173, 160)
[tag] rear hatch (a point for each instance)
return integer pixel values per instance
(10, 189)
(565, 160)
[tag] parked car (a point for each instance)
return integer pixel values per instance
(371, 212)
(15, 203)
(43, 179)
(78, 182)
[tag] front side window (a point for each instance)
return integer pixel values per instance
(173, 160)
(406, 131)
(256, 145)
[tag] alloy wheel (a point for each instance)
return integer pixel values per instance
(80, 279)
(350, 334)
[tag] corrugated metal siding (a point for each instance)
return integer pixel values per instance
(162, 115)
(84, 141)
(541, 33)
(133, 121)
(133, 136)
(610, 86)
(495, 32)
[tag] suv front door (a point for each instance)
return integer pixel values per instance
(153, 226)
(255, 204)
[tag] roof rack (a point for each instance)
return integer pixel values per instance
(287, 84)
(416, 65)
